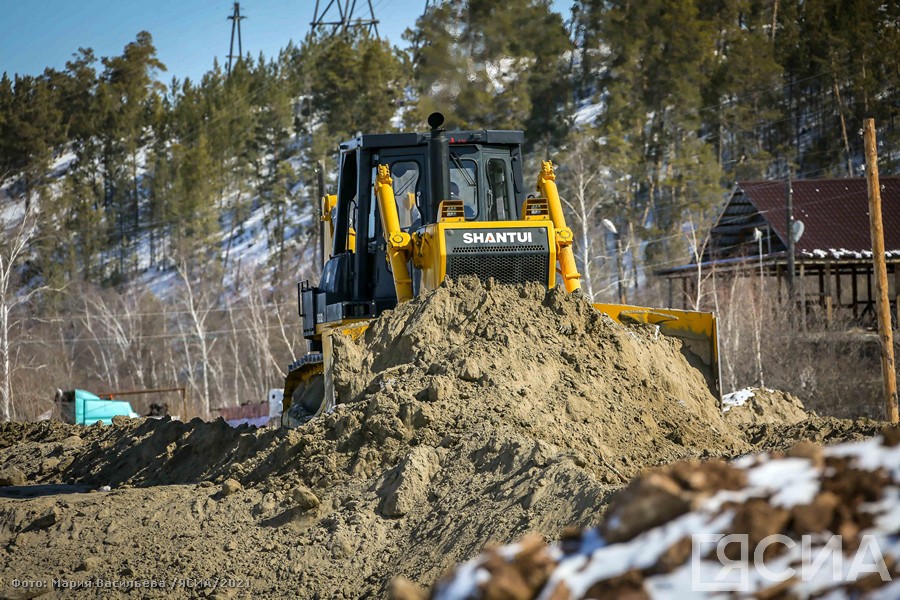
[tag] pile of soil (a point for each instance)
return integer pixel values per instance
(765, 406)
(468, 415)
(645, 545)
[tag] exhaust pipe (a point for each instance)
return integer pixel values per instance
(439, 160)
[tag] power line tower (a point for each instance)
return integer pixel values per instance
(344, 20)
(235, 19)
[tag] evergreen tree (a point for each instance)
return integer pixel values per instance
(495, 65)
(356, 83)
(127, 84)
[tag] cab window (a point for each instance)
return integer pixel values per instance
(464, 184)
(406, 176)
(498, 190)
(345, 238)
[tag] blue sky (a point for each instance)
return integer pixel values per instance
(188, 34)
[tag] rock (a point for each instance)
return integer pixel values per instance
(91, 563)
(409, 485)
(304, 499)
(470, 370)
(46, 520)
(120, 420)
(231, 486)
(48, 465)
(71, 442)
(12, 476)
(440, 389)
(267, 504)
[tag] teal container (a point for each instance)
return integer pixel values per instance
(89, 409)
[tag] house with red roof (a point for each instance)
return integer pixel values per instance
(832, 249)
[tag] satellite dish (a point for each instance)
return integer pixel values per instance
(610, 227)
(797, 229)
(757, 234)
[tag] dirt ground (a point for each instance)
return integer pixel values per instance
(468, 416)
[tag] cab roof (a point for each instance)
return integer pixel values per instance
(399, 140)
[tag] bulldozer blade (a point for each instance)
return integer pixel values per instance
(303, 390)
(697, 331)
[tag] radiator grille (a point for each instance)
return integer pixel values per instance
(510, 265)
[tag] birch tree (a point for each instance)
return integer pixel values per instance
(15, 243)
(198, 304)
(584, 197)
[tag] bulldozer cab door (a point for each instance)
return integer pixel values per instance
(500, 195)
(408, 173)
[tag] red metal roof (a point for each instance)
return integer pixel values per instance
(835, 214)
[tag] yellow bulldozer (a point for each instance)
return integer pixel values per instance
(412, 209)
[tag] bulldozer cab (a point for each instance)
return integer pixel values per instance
(482, 169)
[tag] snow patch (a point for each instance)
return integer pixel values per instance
(738, 398)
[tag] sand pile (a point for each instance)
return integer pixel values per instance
(644, 547)
(756, 406)
(534, 364)
(467, 416)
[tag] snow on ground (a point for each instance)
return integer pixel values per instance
(587, 113)
(820, 563)
(11, 210)
(505, 71)
(61, 164)
(738, 398)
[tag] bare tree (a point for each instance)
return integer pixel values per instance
(15, 242)
(698, 248)
(198, 304)
(583, 197)
(116, 325)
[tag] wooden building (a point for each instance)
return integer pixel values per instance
(832, 257)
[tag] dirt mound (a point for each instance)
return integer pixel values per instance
(645, 547)
(822, 430)
(468, 415)
(538, 364)
(755, 406)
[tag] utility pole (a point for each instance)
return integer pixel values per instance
(790, 240)
(344, 20)
(882, 304)
(235, 19)
(620, 271)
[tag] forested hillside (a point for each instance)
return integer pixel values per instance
(132, 202)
